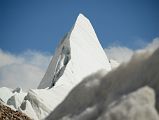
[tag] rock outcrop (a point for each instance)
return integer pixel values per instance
(6, 113)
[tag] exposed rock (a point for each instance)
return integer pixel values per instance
(18, 90)
(6, 113)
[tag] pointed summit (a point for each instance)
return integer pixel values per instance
(78, 55)
(83, 22)
(81, 18)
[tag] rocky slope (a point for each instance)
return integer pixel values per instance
(6, 113)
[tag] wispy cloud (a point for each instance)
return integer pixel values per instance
(119, 53)
(124, 54)
(27, 69)
(151, 47)
(24, 70)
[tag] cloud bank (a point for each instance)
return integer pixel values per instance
(119, 53)
(24, 70)
(124, 54)
(27, 69)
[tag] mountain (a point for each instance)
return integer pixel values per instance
(78, 55)
(82, 84)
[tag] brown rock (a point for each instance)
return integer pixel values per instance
(7, 113)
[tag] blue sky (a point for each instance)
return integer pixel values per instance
(40, 24)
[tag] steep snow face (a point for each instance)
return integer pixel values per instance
(78, 55)
(58, 64)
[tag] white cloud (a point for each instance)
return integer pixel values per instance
(119, 53)
(124, 54)
(27, 69)
(24, 70)
(151, 47)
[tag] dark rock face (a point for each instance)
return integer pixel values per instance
(7, 113)
(64, 58)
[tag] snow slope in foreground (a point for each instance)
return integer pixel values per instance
(131, 92)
